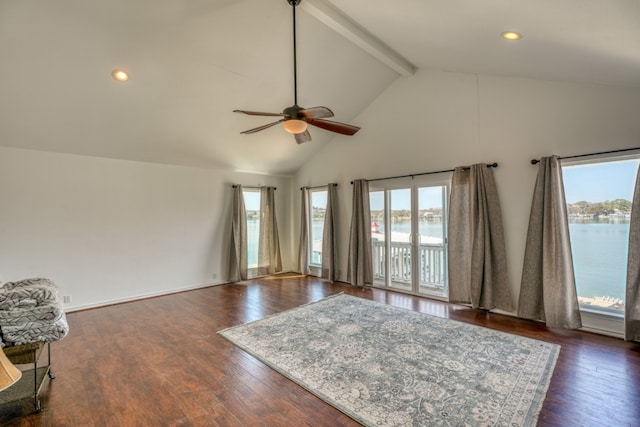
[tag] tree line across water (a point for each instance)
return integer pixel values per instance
(599, 208)
(582, 207)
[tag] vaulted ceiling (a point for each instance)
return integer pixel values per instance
(192, 62)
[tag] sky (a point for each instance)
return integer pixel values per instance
(251, 200)
(428, 197)
(319, 199)
(600, 182)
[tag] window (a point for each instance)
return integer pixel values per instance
(318, 210)
(599, 196)
(252, 206)
(408, 238)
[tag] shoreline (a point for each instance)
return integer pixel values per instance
(602, 302)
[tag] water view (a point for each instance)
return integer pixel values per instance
(599, 198)
(599, 249)
(427, 228)
(599, 231)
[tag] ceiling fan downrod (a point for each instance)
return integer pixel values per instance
(293, 4)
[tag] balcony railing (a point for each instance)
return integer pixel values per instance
(431, 271)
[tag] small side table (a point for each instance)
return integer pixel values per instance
(30, 384)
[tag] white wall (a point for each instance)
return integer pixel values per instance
(438, 120)
(110, 230)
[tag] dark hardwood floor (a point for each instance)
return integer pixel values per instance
(159, 362)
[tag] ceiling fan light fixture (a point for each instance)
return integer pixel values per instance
(120, 75)
(511, 35)
(295, 126)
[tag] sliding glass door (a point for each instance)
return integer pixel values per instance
(400, 248)
(432, 240)
(408, 232)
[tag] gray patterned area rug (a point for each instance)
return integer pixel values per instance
(386, 366)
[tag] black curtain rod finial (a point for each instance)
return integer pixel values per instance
(535, 161)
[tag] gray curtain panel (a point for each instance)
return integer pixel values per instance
(238, 263)
(632, 299)
(360, 268)
(548, 287)
(303, 248)
(269, 259)
(476, 251)
(329, 235)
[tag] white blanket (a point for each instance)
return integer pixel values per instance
(30, 311)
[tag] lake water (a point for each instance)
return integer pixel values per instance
(599, 254)
(600, 257)
(253, 230)
(425, 228)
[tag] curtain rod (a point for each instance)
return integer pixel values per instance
(491, 165)
(320, 186)
(253, 188)
(536, 161)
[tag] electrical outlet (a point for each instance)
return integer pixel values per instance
(214, 276)
(66, 299)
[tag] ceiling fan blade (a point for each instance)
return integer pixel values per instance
(258, 113)
(332, 126)
(302, 137)
(263, 127)
(316, 112)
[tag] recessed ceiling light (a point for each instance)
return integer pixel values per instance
(511, 35)
(120, 75)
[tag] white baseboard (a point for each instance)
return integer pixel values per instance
(140, 297)
(73, 308)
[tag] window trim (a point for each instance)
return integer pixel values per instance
(601, 320)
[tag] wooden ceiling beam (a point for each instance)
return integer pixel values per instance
(334, 19)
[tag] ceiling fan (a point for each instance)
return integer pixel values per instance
(295, 118)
